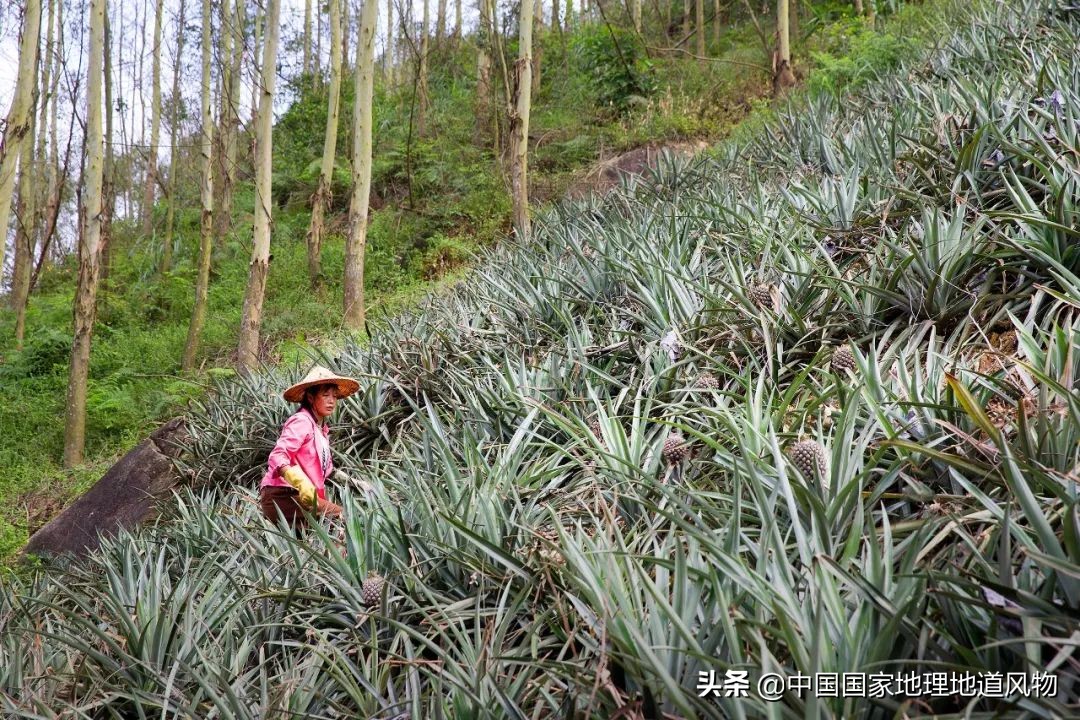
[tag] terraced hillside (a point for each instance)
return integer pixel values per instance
(809, 405)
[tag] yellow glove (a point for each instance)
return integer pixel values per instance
(295, 476)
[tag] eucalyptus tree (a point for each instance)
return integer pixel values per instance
(355, 244)
(519, 120)
(422, 72)
(232, 50)
(251, 318)
(19, 116)
(321, 200)
(206, 198)
(155, 125)
(170, 212)
(388, 51)
(699, 21)
(784, 77)
(84, 310)
(24, 222)
(307, 38)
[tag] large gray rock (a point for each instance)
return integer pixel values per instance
(125, 496)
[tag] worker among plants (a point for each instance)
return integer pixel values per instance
(300, 462)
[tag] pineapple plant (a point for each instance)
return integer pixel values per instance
(706, 381)
(371, 589)
(762, 296)
(809, 457)
(843, 360)
(675, 448)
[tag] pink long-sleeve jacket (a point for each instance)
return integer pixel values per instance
(298, 445)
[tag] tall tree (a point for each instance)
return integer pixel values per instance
(422, 73)
(24, 227)
(485, 33)
(355, 244)
(716, 22)
(256, 60)
(155, 125)
(635, 13)
(321, 200)
(307, 37)
(440, 22)
(89, 246)
(170, 213)
(457, 18)
(206, 195)
(699, 20)
(519, 119)
(232, 50)
(388, 52)
(783, 78)
(251, 319)
(19, 117)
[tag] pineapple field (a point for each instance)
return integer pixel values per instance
(808, 404)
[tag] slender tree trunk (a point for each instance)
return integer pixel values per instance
(232, 48)
(483, 74)
(457, 18)
(24, 229)
(635, 14)
(538, 46)
(388, 53)
(232, 127)
(316, 59)
(519, 120)
(784, 78)
(53, 183)
(344, 30)
(155, 126)
(356, 243)
(108, 187)
(206, 195)
(326, 171)
(256, 62)
(422, 85)
(555, 23)
(716, 22)
(26, 214)
(170, 215)
(307, 37)
(440, 22)
(251, 319)
(859, 7)
(19, 117)
(687, 10)
(89, 247)
(699, 20)
(48, 100)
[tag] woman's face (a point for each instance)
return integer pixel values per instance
(323, 400)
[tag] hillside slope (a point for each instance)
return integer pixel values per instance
(807, 406)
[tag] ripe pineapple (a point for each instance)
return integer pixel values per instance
(761, 294)
(675, 448)
(843, 359)
(371, 589)
(808, 456)
(706, 381)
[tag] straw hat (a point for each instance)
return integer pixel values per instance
(319, 375)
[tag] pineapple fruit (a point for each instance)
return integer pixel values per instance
(809, 457)
(371, 589)
(843, 359)
(675, 448)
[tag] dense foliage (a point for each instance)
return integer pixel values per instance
(590, 464)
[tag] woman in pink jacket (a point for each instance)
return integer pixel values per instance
(300, 462)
